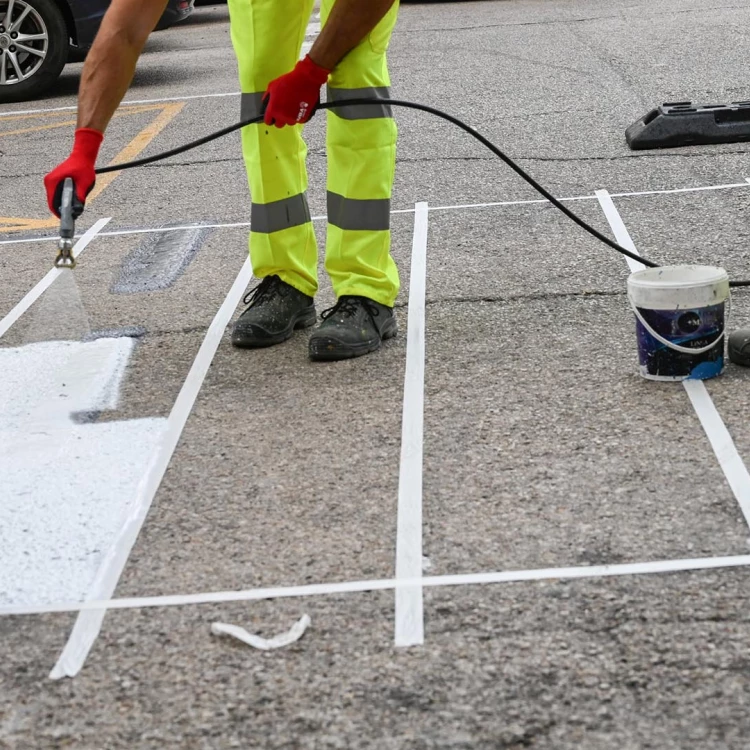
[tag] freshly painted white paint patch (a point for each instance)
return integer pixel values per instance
(65, 488)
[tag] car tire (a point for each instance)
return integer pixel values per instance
(40, 69)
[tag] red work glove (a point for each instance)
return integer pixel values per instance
(80, 166)
(294, 97)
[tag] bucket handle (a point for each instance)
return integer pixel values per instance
(672, 345)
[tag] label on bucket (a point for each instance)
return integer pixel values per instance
(693, 329)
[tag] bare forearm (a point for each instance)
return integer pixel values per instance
(110, 64)
(106, 77)
(349, 23)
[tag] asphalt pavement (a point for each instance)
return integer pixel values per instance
(545, 455)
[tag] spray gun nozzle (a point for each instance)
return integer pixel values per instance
(65, 257)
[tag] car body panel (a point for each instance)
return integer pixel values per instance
(88, 14)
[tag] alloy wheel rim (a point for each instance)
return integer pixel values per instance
(24, 41)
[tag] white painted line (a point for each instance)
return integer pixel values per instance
(619, 228)
(133, 102)
(32, 296)
(163, 230)
(456, 207)
(409, 629)
(151, 230)
(499, 204)
(386, 584)
(721, 441)
(675, 191)
(88, 623)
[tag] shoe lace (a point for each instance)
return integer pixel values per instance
(269, 287)
(347, 306)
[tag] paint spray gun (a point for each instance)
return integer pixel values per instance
(69, 208)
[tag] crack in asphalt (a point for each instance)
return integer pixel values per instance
(563, 21)
(646, 154)
(593, 293)
(500, 299)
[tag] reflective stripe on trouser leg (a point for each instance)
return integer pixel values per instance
(361, 162)
(267, 36)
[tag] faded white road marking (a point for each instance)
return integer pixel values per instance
(159, 261)
(89, 623)
(409, 630)
(65, 487)
(132, 102)
(32, 296)
(716, 431)
(387, 584)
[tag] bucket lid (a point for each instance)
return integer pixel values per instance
(678, 287)
(677, 277)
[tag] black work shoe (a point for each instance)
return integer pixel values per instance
(352, 327)
(275, 310)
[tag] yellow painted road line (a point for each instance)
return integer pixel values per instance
(137, 145)
(131, 151)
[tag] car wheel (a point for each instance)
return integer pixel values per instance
(33, 47)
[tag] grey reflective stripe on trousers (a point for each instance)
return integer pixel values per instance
(350, 213)
(361, 111)
(250, 105)
(273, 217)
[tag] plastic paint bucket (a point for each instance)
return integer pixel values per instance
(680, 322)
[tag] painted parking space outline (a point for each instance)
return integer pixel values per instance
(408, 584)
(165, 114)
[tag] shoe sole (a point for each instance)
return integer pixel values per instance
(326, 349)
(257, 338)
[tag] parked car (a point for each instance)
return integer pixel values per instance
(37, 38)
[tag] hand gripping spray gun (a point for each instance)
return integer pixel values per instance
(68, 203)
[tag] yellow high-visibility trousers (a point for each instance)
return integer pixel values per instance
(361, 143)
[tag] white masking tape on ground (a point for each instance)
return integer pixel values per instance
(409, 626)
(619, 228)
(89, 623)
(49, 279)
(721, 441)
(264, 644)
(455, 207)
(387, 584)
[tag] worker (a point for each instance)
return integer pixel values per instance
(349, 55)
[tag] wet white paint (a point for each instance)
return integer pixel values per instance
(65, 487)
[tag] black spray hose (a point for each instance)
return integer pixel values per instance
(422, 108)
